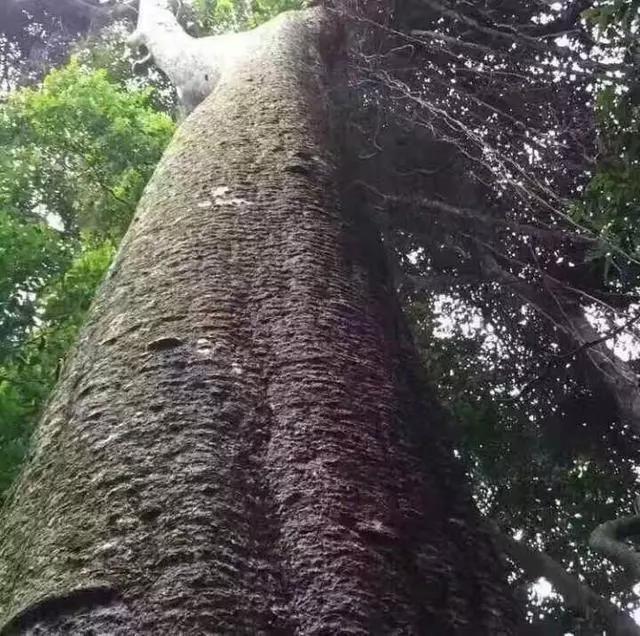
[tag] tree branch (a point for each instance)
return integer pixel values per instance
(565, 22)
(606, 368)
(609, 539)
(513, 35)
(482, 220)
(576, 594)
(563, 359)
(194, 65)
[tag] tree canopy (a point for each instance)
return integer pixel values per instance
(497, 145)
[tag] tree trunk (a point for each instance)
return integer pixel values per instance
(237, 445)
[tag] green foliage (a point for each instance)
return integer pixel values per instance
(614, 16)
(216, 16)
(76, 154)
(263, 10)
(81, 148)
(30, 254)
(610, 205)
(611, 202)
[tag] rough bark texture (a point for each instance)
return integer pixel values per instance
(236, 445)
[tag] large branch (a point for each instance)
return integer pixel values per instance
(605, 367)
(576, 595)
(609, 539)
(618, 377)
(483, 222)
(194, 65)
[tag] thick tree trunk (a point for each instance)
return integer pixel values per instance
(236, 445)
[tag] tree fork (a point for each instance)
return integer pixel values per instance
(237, 444)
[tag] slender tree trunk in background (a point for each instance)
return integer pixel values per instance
(237, 445)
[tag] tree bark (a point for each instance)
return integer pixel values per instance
(237, 445)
